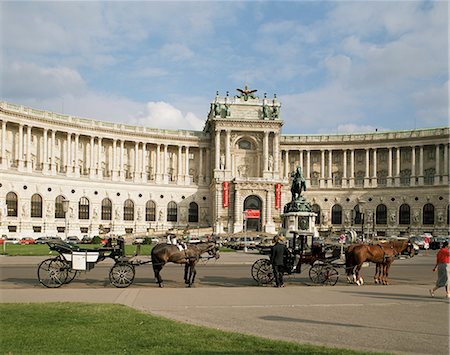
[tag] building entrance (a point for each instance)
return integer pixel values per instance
(253, 203)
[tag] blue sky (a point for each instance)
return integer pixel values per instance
(336, 66)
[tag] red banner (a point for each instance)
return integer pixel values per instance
(277, 196)
(226, 193)
(252, 214)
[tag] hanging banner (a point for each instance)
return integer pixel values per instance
(277, 196)
(249, 214)
(226, 193)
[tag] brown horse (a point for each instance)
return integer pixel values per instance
(382, 254)
(164, 253)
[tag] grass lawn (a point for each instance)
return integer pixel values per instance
(79, 328)
(43, 249)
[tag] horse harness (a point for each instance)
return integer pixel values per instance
(386, 256)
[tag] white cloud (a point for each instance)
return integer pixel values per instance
(163, 115)
(30, 80)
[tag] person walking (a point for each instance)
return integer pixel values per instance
(279, 251)
(443, 268)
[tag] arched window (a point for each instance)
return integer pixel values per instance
(336, 214)
(193, 212)
(316, 209)
(404, 214)
(428, 214)
(128, 210)
(381, 214)
(36, 206)
(106, 209)
(59, 210)
(83, 208)
(172, 212)
(244, 144)
(11, 204)
(150, 211)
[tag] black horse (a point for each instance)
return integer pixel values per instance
(298, 183)
(164, 253)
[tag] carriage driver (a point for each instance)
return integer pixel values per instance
(279, 252)
(172, 239)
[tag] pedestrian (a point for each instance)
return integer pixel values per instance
(279, 252)
(443, 267)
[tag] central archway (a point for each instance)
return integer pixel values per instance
(253, 202)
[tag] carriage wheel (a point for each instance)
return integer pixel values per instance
(71, 274)
(122, 275)
(316, 273)
(330, 276)
(255, 268)
(265, 273)
(52, 272)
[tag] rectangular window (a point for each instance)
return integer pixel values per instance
(37, 229)
(12, 229)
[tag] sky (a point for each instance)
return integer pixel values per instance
(335, 66)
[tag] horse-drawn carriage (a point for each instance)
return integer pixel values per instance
(63, 268)
(324, 261)
(303, 250)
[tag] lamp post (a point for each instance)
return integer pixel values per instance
(361, 212)
(65, 206)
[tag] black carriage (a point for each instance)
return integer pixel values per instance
(322, 260)
(63, 268)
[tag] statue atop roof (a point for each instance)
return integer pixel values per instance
(246, 93)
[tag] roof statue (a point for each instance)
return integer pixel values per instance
(246, 93)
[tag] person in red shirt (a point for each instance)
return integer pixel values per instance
(443, 267)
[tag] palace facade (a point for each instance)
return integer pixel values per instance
(62, 175)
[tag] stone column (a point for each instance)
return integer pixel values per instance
(122, 152)
(389, 177)
(186, 165)
(286, 163)
(308, 165)
(352, 167)
(322, 168)
(344, 168)
(91, 162)
(445, 175)
(200, 166)
(227, 150)
(165, 164)
(180, 165)
(238, 218)
(367, 173)
(29, 162)
(300, 160)
(20, 153)
(4, 161)
(421, 165)
(75, 150)
(45, 152)
(99, 158)
(413, 166)
(136, 162)
(217, 153)
(276, 153)
(52, 152)
(374, 170)
(158, 164)
(266, 152)
(397, 167)
(114, 160)
(208, 166)
(330, 168)
(437, 176)
(144, 162)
